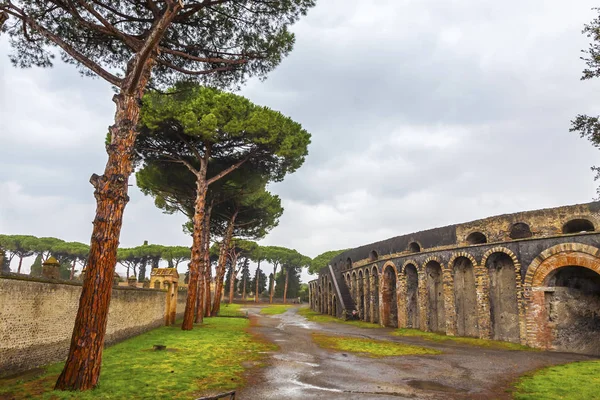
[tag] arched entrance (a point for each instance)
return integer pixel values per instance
(504, 311)
(367, 296)
(435, 296)
(333, 306)
(360, 296)
(465, 297)
(564, 296)
(374, 296)
(389, 309)
(412, 296)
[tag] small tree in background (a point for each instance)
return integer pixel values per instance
(589, 127)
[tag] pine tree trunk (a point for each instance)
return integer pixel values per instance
(20, 264)
(207, 264)
(257, 279)
(232, 283)
(287, 276)
(272, 288)
(244, 288)
(220, 274)
(197, 258)
(82, 368)
(72, 270)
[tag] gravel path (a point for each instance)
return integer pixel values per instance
(302, 370)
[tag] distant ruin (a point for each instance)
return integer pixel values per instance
(530, 277)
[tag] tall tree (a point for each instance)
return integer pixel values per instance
(131, 45)
(36, 267)
(275, 256)
(194, 125)
(258, 283)
(245, 278)
(291, 266)
(239, 256)
(322, 260)
(589, 127)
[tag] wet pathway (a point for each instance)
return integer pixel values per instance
(302, 370)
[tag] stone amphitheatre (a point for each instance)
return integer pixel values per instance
(531, 278)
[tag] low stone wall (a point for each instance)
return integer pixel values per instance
(37, 317)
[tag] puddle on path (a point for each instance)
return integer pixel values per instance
(434, 386)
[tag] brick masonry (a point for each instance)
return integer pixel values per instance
(36, 319)
(509, 278)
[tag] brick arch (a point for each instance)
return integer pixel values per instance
(389, 264)
(562, 255)
(413, 262)
(551, 259)
(431, 258)
(590, 217)
(461, 254)
(500, 249)
(410, 241)
(518, 286)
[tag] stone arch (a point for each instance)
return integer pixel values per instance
(411, 277)
(389, 297)
(506, 311)
(562, 288)
(414, 247)
(367, 295)
(462, 267)
(373, 255)
(476, 238)
(436, 311)
(348, 263)
(360, 302)
(578, 225)
(520, 230)
(354, 288)
(374, 295)
(334, 306)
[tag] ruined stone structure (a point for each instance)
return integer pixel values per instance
(531, 278)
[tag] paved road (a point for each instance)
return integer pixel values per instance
(302, 370)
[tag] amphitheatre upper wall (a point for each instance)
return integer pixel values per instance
(544, 223)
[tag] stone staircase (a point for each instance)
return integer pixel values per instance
(342, 293)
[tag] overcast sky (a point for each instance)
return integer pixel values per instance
(423, 113)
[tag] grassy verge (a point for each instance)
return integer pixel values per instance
(231, 310)
(436, 337)
(318, 317)
(207, 359)
(275, 309)
(575, 381)
(369, 347)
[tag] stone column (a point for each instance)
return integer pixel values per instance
(449, 302)
(423, 300)
(482, 288)
(401, 296)
(173, 308)
(50, 269)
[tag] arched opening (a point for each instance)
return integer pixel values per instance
(329, 298)
(520, 230)
(572, 301)
(373, 256)
(412, 296)
(354, 289)
(374, 296)
(578, 225)
(361, 296)
(504, 311)
(414, 247)
(476, 238)
(436, 320)
(465, 298)
(367, 297)
(333, 306)
(349, 263)
(389, 314)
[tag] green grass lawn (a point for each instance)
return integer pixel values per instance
(575, 381)
(436, 337)
(231, 310)
(275, 309)
(369, 347)
(318, 317)
(206, 359)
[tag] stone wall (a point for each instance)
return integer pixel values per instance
(36, 319)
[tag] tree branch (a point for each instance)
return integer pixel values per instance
(18, 13)
(227, 171)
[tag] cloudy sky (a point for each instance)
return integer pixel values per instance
(423, 113)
